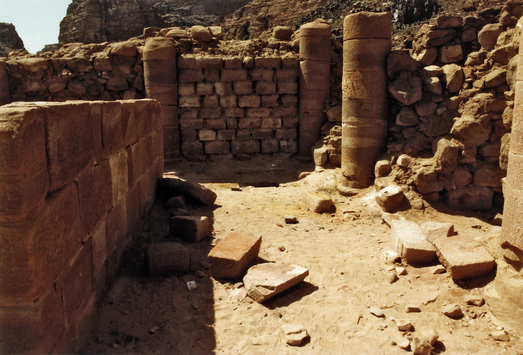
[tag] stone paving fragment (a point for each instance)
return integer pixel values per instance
(167, 258)
(294, 334)
(264, 281)
(410, 242)
(375, 310)
(463, 257)
(190, 228)
(434, 230)
(234, 254)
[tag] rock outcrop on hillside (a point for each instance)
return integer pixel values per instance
(9, 39)
(91, 21)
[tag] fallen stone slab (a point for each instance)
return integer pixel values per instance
(463, 257)
(294, 334)
(264, 281)
(410, 242)
(190, 228)
(193, 193)
(167, 258)
(234, 254)
(434, 230)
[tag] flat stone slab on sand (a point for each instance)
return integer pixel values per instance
(410, 242)
(463, 257)
(264, 281)
(234, 254)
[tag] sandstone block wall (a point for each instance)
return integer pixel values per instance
(75, 178)
(235, 105)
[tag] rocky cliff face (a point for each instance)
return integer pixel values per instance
(91, 21)
(9, 39)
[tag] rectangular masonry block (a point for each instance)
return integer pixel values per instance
(243, 87)
(262, 74)
(265, 88)
(166, 94)
(169, 118)
(186, 89)
(289, 100)
(288, 147)
(167, 259)
(190, 75)
(140, 157)
(243, 134)
(188, 113)
(116, 222)
(264, 62)
(129, 121)
(288, 74)
(288, 87)
(271, 123)
(252, 146)
(99, 244)
(159, 72)
(284, 112)
(212, 75)
(463, 257)
(169, 140)
(93, 206)
(410, 242)
(233, 74)
(232, 63)
(290, 122)
(209, 62)
(112, 129)
(119, 175)
(210, 101)
(269, 146)
(190, 228)
(69, 148)
(229, 101)
(211, 112)
(217, 147)
(290, 62)
(263, 134)
(35, 249)
(258, 112)
(215, 123)
(145, 114)
(34, 327)
(286, 133)
(191, 124)
(234, 112)
(95, 113)
(190, 135)
(24, 179)
(192, 148)
(270, 101)
(186, 62)
(249, 101)
(207, 135)
(234, 255)
(249, 123)
(190, 101)
(132, 217)
(226, 134)
(223, 88)
(232, 123)
(205, 88)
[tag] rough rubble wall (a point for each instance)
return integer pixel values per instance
(75, 178)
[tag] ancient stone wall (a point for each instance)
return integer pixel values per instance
(75, 179)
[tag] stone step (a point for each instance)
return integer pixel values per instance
(234, 254)
(264, 281)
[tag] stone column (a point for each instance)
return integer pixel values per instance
(366, 44)
(161, 84)
(5, 95)
(505, 296)
(315, 56)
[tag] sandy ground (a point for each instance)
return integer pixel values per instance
(344, 252)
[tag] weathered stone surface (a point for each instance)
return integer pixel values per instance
(488, 35)
(472, 130)
(282, 32)
(453, 77)
(407, 117)
(420, 346)
(463, 257)
(294, 334)
(489, 175)
(320, 203)
(9, 39)
(398, 61)
(495, 78)
(434, 230)
(190, 228)
(407, 88)
(167, 258)
(473, 198)
(234, 254)
(320, 156)
(427, 181)
(410, 243)
(382, 168)
(452, 311)
(391, 198)
(194, 193)
(264, 281)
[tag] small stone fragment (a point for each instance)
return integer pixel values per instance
(190, 228)
(411, 308)
(392, 257)
(375, 310)
(191, 285)
(500, 335)
(420, 346)
(430, 334)
(393, 277)
(400, 270)
(320, 202)
(403, 344)
(294, 334)
(453, 311)
(477, 301)
(438, 269)
(404, 325)
(390, 198)
(291, 219)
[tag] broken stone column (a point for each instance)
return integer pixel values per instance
(505, 296)
(367, 42)
(315, 55)
(5, 96)
(161, 84)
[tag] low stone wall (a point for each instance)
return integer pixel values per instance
(75, 178)
(238, 105)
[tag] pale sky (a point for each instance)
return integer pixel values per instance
(36, 21)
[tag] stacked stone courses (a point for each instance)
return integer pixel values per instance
(238, 105)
